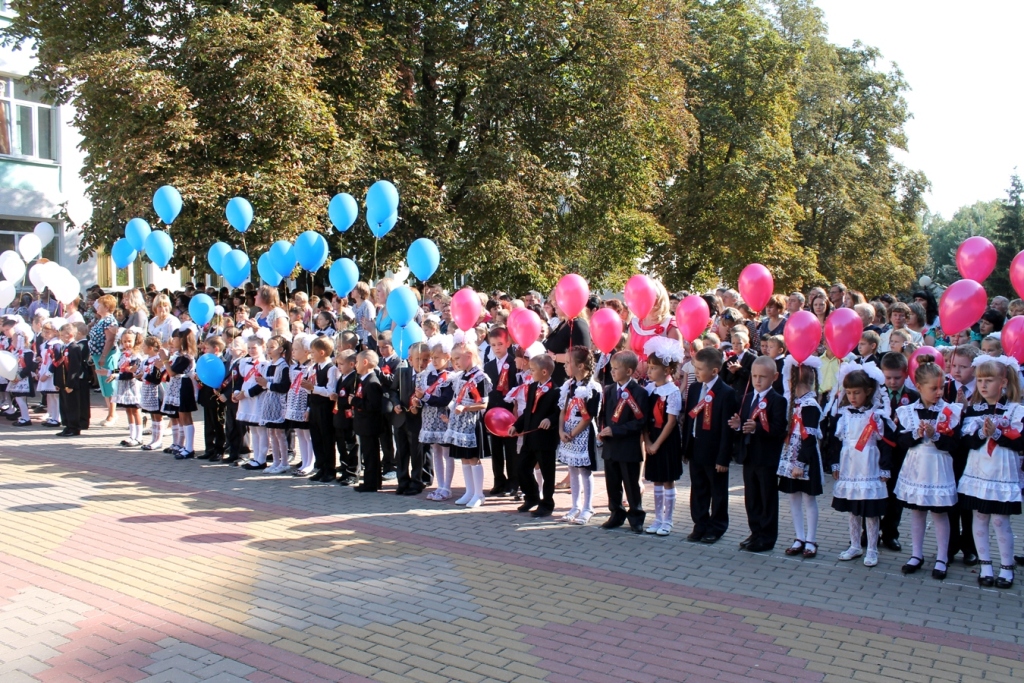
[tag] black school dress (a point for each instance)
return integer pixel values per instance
(667, 463)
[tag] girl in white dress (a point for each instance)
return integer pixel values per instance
(275, 383)
(580, 401)
(433, 394)
(127, 394)
(930, 430)
(47, 352)
(800, 461)
(296, 411)
(859, 458)
(247, 398)
(991, 483)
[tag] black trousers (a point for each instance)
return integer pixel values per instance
(84, 406)
(234, 431)
(761, 497)
(387, 446)
(321, 433)
(624, 477)
(528, 484)
(504, 462)
(410, 457)
(369, 451)
(890, 524)
(709, 499)
(348, 450)
(213, 425)
(69, 410)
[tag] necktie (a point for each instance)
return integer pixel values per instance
(703, 394)
(960, 395)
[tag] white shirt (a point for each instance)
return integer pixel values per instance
(332, 379)
(164, 330)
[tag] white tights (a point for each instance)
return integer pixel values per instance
(1004, 539)
(581, 482)
(804, 507)
(279, 443)
(260, 443)
(872, 531)
(444, 466)
(305, 441)
(918, 522)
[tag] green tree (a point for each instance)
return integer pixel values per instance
(945, 236)
(1008, 238)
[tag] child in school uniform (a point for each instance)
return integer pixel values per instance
(622, 426)
(180, 397)
(419, 471)
(434, 394)
(234, 430)
(867, 348)
(930, 430)
(151, 378)
(368, 420)
(23, 387)
(275, 381)
(321, 386)
(580, 403)
(736, 372)
(296, 410)
(991, 483)
(662, 441)
(128, 394)
(707, 446)
(465, 433)
(894, 369)
(247, 397)
(960, 388)
(67, 371)
(344, 427)
(501, 370)
(859, 457)
(85, 379)
(800, 470)
(213, 409)
(47, 348)
(538, 424)
(760, 426)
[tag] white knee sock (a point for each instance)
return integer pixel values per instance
(575, 484)
(53, 407)
(918, 522)
(437, 457)
(189, 437)
(158, 434)
(302, 438)
(659, 503)
(449, 469)
(175, 434)
(811, 515)
(467, 475)
(279, 439)
(478, 481)
(22, 407)
(796, 509)
(872, 524)
(587, 482)
(668, 506)
(1004, 538)
(980, 533)
(259, 444)
(941, 523)
(855, 527)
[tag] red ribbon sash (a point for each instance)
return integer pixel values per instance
(443, 377)
(627, 399)
(541, 390)
(659, 412)
(761, 414)
(942, 425)
(798, 424)
(503, 379)
(869, 429)
(581, 407)
(704, 407)
(470, 387)
(249, 375)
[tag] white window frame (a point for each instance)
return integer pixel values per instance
(7, 95)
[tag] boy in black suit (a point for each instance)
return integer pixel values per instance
(67, 378)
(540, 419)
(368, 419)
(321, 387)
(762, 426)
(501, 370)
(344, 436)
(213, 410)
(414, 473)
(707, 446)
(623, 418)
(894, 367)
(737, 368)
(391, 442)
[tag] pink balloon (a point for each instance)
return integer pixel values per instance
(605, 329)
(976, 258)
(571, 294)
(466, 308)
(524, 326)
(1017, 273)
(962, 305)
(924, 350)
(1013, 338)
(802, 335)
(843, 329)
(692, 317)
(640, 295)
(498, 421)
(756, 286)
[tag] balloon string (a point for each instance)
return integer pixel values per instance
(375, 241)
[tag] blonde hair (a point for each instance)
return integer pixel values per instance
(992, 368)
(471, 349)
(108, 302)
(660, 310)
(161, 300)
(132, 300)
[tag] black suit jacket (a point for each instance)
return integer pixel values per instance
(547, 409)
(406, 381)
(496, 399)
(762, 448)
(367, 406)
(624, 445)
(713, 446)
(345, 387)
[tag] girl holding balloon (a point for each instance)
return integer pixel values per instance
(433, 394)
(465, 435)
(649, 302)
(180, 397)
(580, 401)
(128, 390)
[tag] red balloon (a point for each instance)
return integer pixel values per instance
(571, 294)
(640, 295)
(1013, 338)
(605, 329)
(976, 258)
(498, 421)
(466, 308)
(925, 350)
(692, 317)
(843, 329)
(802, 335)
(962, 305)
(524, 326)
(1017, 273)
(756, 286)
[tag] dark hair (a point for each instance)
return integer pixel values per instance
(926, 369)
(581, 355)
(593, 303)
(713, 302)
(627, 358)
(286, 347)
(711, 357)
(653, 359)
(995, 317)
(894, 361)
(188, 342)
(497, 332)
(858, 379)
(931, 307)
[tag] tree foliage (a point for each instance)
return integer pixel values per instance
(945, 236)
(1008, 238)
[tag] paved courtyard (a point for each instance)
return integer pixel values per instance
(120, 565)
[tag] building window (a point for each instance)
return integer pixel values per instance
(28, 121)
(109, 276)
(11, 230)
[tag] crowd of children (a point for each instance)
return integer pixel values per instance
(894, 435)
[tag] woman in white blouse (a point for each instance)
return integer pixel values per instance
(162, 325)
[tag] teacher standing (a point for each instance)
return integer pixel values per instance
(104, 354)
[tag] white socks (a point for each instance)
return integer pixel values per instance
(303, 438)
(189, 437)
(134, 432)
(259, 444)
(158, 434)
(175, 434)
(449, 470)
(437, 456)
(804, 510)
(478, 486)
(669, 506)
(575, 486)
(279, 443)
(659, 504)
(467, 474)
(1004, 537)
(872, 524)
(811, 517)
(855, 527)
(53, 407)
(918, 523)
(22, 407)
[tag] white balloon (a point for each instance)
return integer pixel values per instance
(9, 254)
(924, 281)
(8, 365)
(67, 288)
(35, 276)
(30, 246)
(7, 293)
(13, 269)
(44, 231)
(51, 270)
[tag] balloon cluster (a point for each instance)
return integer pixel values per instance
(44, 274)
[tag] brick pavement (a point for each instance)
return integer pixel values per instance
(121, 565)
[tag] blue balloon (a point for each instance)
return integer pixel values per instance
(343, 211)
(210, 370)
(266, 270)
(423, 258)
(201, 309)
(235, 267)
(136, 233)
(402, 305)
(282, 257)
(402, 338)
(344, 275)
(167, 203)
(122, 253)
(311, 250)
(239, 213)
(215, 256)
(381, 229)
(381, 202)
(159, 248)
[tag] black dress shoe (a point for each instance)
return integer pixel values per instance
(541, 512)
(710, 538)
(745, 542)
(204, 456)
(986, 581)
(970, 559)
(892, 544)
(759, 547)
(937, 573)
(695, 537)
(636, 528)
(1019, 559)
(1005, 583)
(613, 523)
(216, 457)
(400, 491)
(347, 481)
(909, 568)
(413, 492)
(363, 488)
(496, 491)
(526, 507)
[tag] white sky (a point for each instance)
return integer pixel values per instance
(962, 60)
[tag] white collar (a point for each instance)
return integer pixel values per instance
(363, 377)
